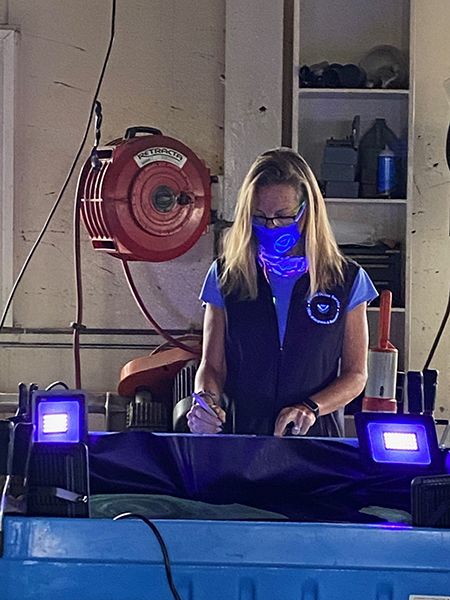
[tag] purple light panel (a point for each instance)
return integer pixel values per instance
(394, 440)
(55, 423)
(57, 420)
(405, 443)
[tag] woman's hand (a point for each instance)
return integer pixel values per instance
(301, 417)
(211, 374)
(200, 421)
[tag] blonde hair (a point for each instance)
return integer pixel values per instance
(238, 256)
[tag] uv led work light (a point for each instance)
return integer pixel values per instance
(399, 441)
(59, 473)
(59, 416)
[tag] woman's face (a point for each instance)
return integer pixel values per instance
(277, 200)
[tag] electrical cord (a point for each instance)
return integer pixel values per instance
(5, 488)
(3, 509)
(195, 338)
(77, 325)
(148, 316)
(162, 544)
(437, 339)
(67, 180)
(56, 384)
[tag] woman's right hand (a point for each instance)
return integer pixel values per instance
(200, 421)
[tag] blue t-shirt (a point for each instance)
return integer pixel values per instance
(362, 290)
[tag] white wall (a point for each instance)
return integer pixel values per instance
(3, 12)
(430, 241)
(165, 71)
(253, 90)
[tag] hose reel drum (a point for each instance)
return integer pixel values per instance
(144, 197)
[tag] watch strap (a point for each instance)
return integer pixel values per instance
(313, 406)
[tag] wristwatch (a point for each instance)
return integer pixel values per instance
(313, 406)
(217, 399)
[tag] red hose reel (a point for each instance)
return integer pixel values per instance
(146, 198)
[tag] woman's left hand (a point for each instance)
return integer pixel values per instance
(301, 417)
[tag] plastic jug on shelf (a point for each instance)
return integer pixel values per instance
(372, 144)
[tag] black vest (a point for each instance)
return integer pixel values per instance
(262, 377)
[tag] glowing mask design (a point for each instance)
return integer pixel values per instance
(279, 240)
(275, 243)
(284, 266)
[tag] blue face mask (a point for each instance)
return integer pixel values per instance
(274, 243)
(278, 240)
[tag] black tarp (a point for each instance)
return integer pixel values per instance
(306, 479)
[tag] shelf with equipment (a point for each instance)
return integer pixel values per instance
(351, 92)
(367, 201)
(335, 39)
(394, 309)
(324, 117)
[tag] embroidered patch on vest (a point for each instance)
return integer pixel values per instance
(323, 309)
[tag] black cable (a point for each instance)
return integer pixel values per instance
(55, 384)
(437, 339)
(67, 180)
(3, 508)
(5, 488)
(162, 544)
(77, 325)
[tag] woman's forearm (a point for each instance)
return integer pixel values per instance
(210, 379)
(340, 392)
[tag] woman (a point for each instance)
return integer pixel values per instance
(285, 329)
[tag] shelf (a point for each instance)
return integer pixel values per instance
(355, 92)
(394, 309)
(370, 201)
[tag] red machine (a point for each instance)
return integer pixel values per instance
(145, 197)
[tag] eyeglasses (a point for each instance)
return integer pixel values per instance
(280, 221)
